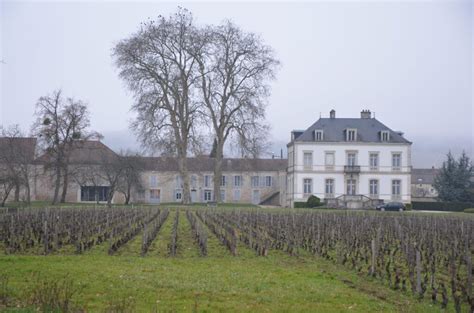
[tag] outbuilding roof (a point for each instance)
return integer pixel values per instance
(17, 148)
(423, 175)
(206, 164)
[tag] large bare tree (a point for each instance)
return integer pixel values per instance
(60, 122)
(132, 167)
(158, 63)
(236, 68)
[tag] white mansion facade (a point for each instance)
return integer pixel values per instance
(349, 162)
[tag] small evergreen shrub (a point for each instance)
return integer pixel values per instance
(313, 201)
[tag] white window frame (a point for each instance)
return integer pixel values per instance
(237, 180)
(268, 181)
(374, 184)
(207, 180)
(222, 194)
(384, 136)
(153, 181)
(318, 135)
(326, 155)
(179, 182)
(236, 194)
(374, 167)
(396, 189)
(355, 158)
(307, 159)
(329, 183)
(178, 194)
(255, 181)
(223, 181)
(307, 186)
(396, 167)
(194, 180)
(351, 191)
(207, 196)
(351, 134)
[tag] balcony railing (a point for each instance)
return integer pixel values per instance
(352, 169)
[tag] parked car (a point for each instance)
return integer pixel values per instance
(391, 206)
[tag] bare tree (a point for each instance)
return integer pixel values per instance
(16, 157)
(235, 68)
(59, 123)
(7, 183)
(86, 175)
(158, 63)
(251, 139)
(132, 168)
(111, 170)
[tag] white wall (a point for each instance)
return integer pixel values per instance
(318, 172)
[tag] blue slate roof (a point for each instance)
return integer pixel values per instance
(368, 130)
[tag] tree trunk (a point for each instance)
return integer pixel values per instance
(128, 194)
(57, 185)
(218, 171)
(183, 169)
(28, 192)
(17, 192)
(65, 185)
(110, 197)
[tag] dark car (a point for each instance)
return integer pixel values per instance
(391, 206)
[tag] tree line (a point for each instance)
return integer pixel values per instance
(192, 85)
(192, 82)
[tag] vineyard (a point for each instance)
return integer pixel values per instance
(427, 256)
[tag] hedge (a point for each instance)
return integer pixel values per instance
(442, 206)
(470, 210)
(304, 205)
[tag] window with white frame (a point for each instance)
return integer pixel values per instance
(178, 195)
(307, 186)
(223, 181)
(351, 158)
(329, 158)
(396, 188)
(236, 194)
(255, 181)
(193, 181)
(329, 187)
(373, 187)
(153, 181)
(268, 181)
(374, 161)
(351, 187)
(351, 134)
(318, 135)
(308, 159)
(237, 181)
(223, 195)
(179, 181)
(396, 161)
(384, 135)
(207, 180)
(207, 195)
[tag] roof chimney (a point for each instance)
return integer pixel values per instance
(365, 114)
(332, 114)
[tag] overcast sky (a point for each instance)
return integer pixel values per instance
(409, 62)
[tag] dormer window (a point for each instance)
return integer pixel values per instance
(351, 134)
(384, 136)
(318, 135)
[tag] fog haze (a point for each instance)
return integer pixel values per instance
(409, 62)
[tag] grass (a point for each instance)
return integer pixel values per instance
(277, 283)
(189, 283)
